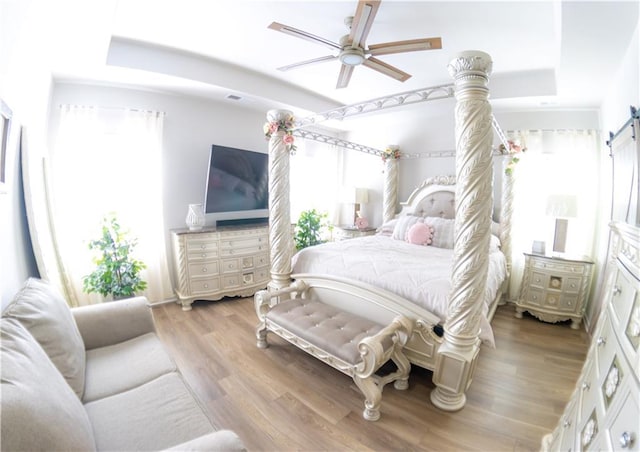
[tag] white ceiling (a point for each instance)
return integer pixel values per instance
(545, 54)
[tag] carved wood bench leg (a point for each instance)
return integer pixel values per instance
(373, 396)
(261, 336)
(404, 367)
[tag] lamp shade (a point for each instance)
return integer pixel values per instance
(361, 195)
(562, 206)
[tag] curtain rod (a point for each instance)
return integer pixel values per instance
(552, 130)
(99, 107)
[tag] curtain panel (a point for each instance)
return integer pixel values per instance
(557, 162)
(108, 161)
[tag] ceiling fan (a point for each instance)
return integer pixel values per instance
(352, 49)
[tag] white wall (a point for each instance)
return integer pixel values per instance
(623, 92)
(25, 81)
(191, 126)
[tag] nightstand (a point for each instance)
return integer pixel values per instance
(555, 288)
(350, 232)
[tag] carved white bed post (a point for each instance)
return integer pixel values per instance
(506, 219)
(474, 172)
(280, 240)
(390, 190)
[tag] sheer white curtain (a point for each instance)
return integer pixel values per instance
(563, 162)
(315, 176)
(109, 161)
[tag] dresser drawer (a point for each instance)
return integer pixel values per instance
(203, 269)
(241, 251)
(605, 346)
(262, 275)
(202, 255)
(230, 281)
(202, 286)
(230, 265)
(624, 426)
(623, 294)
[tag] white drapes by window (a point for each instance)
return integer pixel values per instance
(109, 161)
(563, 162)
(314, 182)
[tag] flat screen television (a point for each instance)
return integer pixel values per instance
(237, 183)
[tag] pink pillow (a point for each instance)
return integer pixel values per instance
(420, 234)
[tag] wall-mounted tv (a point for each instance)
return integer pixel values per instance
(238, 181)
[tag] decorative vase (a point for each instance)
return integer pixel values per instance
(195, 217)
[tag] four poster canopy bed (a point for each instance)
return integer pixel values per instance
(448, 291)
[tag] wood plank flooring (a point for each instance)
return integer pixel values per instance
(283, 399)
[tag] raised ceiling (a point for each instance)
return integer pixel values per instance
(550, 54)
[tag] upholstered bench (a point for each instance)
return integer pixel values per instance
(355, 346)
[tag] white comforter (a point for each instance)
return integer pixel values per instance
(420, 274)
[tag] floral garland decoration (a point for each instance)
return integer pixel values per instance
(284, 125)
(390, 154)
(514, 148)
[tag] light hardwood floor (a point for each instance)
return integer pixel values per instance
(283, 399)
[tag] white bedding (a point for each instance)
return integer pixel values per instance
(420, 274)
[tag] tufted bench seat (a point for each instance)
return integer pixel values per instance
(356, 346)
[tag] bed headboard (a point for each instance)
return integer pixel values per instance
(435, 197)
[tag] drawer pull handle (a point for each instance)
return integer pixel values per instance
(204, 255)
(626, 439)
(616, 291)
(573, 286)
(586, 386)
(601, 341)
(206, 286)
(567, 423)
(203, 247)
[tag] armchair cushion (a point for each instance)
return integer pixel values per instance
(118, 368)
(40, 411)
(42, 310)
(159, 414)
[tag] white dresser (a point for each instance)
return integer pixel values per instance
(603, 413)
(211, 264)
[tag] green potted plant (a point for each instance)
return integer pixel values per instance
(117, 273)
(309, 228)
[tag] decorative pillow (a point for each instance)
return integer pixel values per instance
(403, 225)
(443, 231)
(420, 234)
(39, 409)
(45, 314)
(387, 228)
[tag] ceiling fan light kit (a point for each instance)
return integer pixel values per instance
(352, 56)
(352, 48)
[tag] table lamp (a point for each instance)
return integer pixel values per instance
(360, 196)
(562, 207)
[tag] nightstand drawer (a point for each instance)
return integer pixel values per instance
(550, 266)
(535, 297)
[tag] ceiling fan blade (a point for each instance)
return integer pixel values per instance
(345, 76)
(411, 45)
(304, 35)
(362, 21)
(306, 62)
(386, 69)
